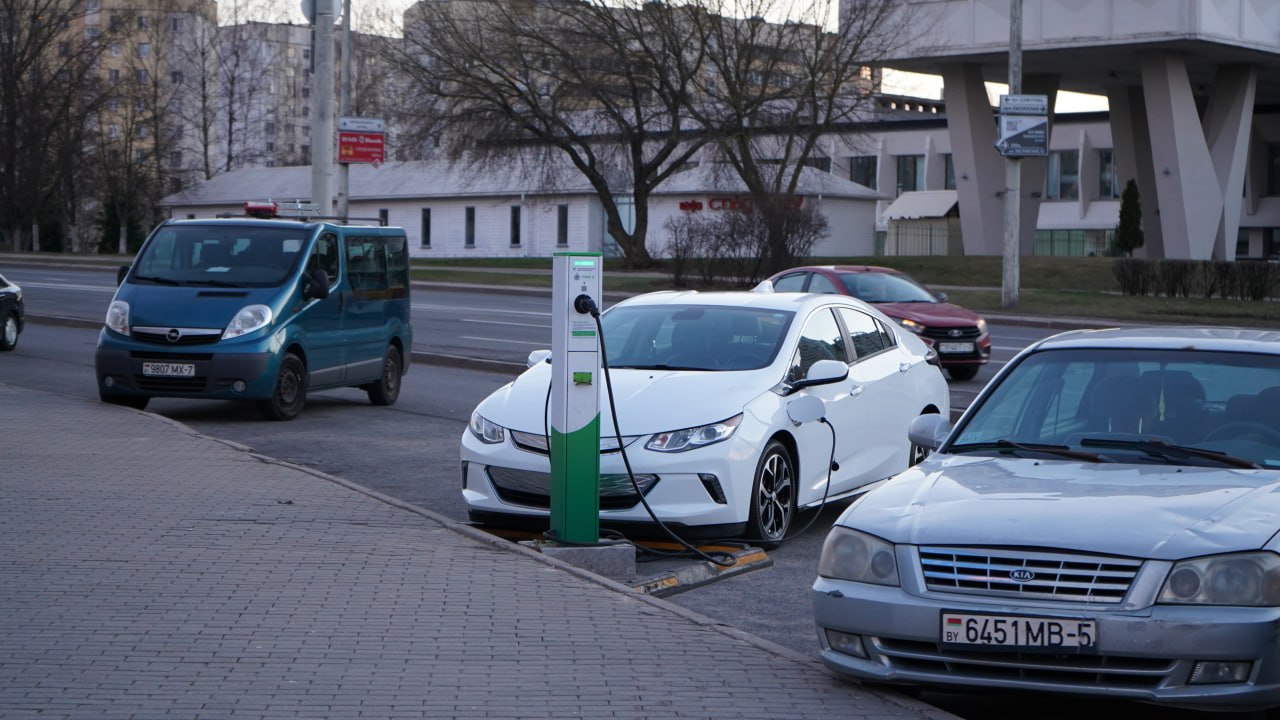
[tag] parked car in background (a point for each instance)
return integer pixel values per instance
(958, 334)
(703, 383)
(1101, 521)
(12, 314)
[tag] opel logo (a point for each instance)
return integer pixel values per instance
(173, 335)
(1022, 575)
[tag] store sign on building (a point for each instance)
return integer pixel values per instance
(361, 140)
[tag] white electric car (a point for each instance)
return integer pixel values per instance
(702, 383)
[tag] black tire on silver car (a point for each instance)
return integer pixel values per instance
(773, 495)
(9, 332)
(387, 388)
(290, 392)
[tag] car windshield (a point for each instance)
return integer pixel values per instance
(1176, 407)
(693, 337)
(879, 287)
(219, 256)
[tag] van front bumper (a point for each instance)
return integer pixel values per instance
(120, 371)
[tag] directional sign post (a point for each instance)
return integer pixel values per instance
(1024, 126)
(360, 140)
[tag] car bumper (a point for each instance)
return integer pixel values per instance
(707, 488)
(1146, 655)
(118, 365)
(979, 354)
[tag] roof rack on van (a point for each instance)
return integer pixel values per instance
(306, 212)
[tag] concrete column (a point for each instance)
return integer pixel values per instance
(1186, 181)
(1132, 152)
(1228, 123)
(971, 125)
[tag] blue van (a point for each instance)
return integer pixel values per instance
(261, 310)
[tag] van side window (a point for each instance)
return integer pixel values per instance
(325, 257)
(397, 265)
(366, 264)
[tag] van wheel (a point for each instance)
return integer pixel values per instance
(387, 388)
(290, 392)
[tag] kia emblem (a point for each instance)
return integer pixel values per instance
(173, 335)
(1022, 575)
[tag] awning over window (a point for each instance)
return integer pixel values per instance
(922, 204)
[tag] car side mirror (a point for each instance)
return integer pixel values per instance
(121, 272)
(538, 356)
(942, 297)
(929, 431)
(824, 372)
(315, 285)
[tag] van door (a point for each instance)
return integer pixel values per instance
(322, 320)
(365, 327)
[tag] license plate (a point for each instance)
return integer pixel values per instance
(163, 369)
(955, 347)
(1018, 631)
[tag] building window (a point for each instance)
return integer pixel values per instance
(113, 131)
(862, 170)
(1108, 188)
(910, 173)
(142, 76)
(271, 146)
(562, 225)
(1273, 168)
(92, 5)
(140, 131)
(144, 22)
(384, 216)
(175, 24)
(515, 226)
(269, 127)
(144, 49)
(113, 76)
(818, 163)
(175, 77)
(92, 33)
(949, 172)
(175, 159)
(426, 227)
(115, 50)
(470, 237)
(1063, 180)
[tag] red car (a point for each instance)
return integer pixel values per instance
(959, 335)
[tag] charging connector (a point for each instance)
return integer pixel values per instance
(585, 305)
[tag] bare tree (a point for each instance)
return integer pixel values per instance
(602, 85)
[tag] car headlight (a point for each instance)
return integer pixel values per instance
(1242, 579)
(982, 326)
(250, 318)
(118, 317)
(486, 431)
(912, 325)
(694, 437)
(857, 557)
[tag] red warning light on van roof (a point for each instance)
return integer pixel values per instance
(260, 209)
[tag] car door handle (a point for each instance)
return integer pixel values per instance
(856, 390)
(903, 367)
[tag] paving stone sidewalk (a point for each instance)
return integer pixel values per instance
(148, 571)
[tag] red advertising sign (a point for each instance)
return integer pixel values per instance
(360, 147)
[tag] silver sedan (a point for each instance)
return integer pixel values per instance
(1101, 521)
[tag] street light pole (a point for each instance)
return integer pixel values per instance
(1009, 277)
(344, 108)
(322, 109)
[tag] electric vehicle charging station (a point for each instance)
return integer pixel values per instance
(575, 397)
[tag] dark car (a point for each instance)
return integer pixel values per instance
(11, 314)
(958, 335)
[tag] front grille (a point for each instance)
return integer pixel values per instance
(1041, 575)
(1063, 669)
(170, 356)
(171, 384)
(186, 336)
(945, 334)
(533, 489)
(537, 442)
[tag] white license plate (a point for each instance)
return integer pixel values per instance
(1018, 631)
(163, 369)
(955, 347)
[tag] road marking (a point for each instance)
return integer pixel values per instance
(59, 286)
(454, 308)
(505, 340)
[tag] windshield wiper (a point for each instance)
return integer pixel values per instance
(1162, 449)
(658, 366)
(156, 279)
(1009, 446)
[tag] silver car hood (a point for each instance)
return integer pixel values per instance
(1150, 511)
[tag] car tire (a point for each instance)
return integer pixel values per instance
(963, 372)
(130, 401)
(9, 332)
(290, 391)
(387, 388)
(773, 496)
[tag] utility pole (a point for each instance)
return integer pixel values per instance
(1009, 276)
(344, 109)
(322, 108)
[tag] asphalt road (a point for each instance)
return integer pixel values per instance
(409, 450)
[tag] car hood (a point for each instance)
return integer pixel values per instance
(935, 314)
(649, 401)
(1148, 511)
(205, 307)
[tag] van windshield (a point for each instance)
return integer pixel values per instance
(220, 256)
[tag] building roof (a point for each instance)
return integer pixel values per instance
(427, 179)
(922, 204)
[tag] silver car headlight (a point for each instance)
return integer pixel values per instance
(485, 431)
(118, 317)
(1251, 578)
(694, 437)
(857, 557)
(250, 318)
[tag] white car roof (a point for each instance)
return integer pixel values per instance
(790, 301)
(1171, 337)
